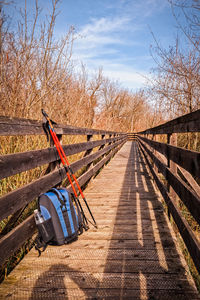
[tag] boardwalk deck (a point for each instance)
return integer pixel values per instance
(132, 255)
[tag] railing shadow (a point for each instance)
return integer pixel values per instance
(145, 262)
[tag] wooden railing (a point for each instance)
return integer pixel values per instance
(131, 136)
(181, 170)
(106, 144)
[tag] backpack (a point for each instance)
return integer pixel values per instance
(57, 219)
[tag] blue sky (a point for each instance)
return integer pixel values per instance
(112, 34)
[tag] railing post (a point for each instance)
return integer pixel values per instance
(55, 164)
(171, 140)
(110, 135)
(154, 138)
(102, 146)
(87, 152)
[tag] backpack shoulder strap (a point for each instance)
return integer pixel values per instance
(39, 243)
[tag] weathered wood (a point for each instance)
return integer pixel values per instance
(17, 126)
(187, 123)
(17, 199)
(12, 221)
(56, 163)
(88, 151)
(86, 176)
(103, 137)
(98, 265)
(14, 239)
(27, 193)
(92, 157)
(186, 194)
(12, 164)
(188, 236)
(171, 140)
(131, 136)
(192, 182)
(187, 159)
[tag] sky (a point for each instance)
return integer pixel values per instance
(114, 35)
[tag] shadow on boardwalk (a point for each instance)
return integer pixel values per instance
(142, 260)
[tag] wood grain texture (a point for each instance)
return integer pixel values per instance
(29, 192)
(185, 193)
(12, 164)
(18, 126)
(132, 255)
(19, 235)
(187, 159)
(187, 123)
(186, 232)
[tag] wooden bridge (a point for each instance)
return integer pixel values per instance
(134, 253)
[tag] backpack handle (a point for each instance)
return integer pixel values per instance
(60, 197)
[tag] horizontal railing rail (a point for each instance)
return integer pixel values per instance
(131, 136)
(186, 123)
(180, 168)
(95, 154)
(17, 126)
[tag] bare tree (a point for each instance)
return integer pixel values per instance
(190, 10)
(34, 64)
(176, 79)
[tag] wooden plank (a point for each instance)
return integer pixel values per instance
(12, 164)
(107, 266)
(188, 236)
(86, 176)
(187, 123)
(14, 239)
(113, 254)
(187, 159)
(17, 126)
(17, 199)
(97, 293)
(185, 193)
(192, 182)
(114, 279)
(92, 157)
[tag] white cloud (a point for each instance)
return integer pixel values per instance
(103, 25)
(102, 37)
(101, 33)
(128, 76)
(108, 42)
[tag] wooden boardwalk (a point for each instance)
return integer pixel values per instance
(132, 255)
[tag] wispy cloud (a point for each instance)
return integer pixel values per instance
(129, 78)
(104, 25)
(101, 32)
(110, 41)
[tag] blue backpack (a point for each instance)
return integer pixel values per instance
(58, 219)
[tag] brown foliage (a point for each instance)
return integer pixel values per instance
(37, 72)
